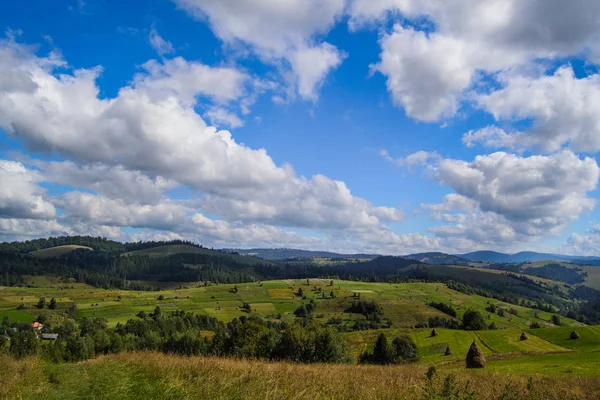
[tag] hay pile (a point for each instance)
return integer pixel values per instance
(475, 357)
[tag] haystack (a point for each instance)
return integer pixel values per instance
(434, 333)
(448, 351)
(574, 335)
(475, 357)
(524, 336)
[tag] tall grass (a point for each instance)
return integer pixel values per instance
(145, 375)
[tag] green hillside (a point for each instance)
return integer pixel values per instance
(405, 304)
(58, 251)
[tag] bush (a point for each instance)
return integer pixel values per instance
(535, 325)
(404, 349)
(556, 320)
(445, 308)
(473, 321)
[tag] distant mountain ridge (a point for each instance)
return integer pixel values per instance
(524, 256)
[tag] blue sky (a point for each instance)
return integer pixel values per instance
(385, 126)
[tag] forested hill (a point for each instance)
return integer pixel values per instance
(96, 243)
(284, 254)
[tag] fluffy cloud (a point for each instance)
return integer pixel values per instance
(539, 194)
(428, 73)
(99, 210)
(564, 110)
(20, 196)
(114, 182)
(149, 139)
(187, 80)
(583, 244)
(276, 31)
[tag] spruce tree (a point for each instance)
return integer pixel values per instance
(381, 352)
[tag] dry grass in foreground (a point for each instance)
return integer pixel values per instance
(159, 376)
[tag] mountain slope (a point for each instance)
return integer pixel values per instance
(523, 256)
(58, 251)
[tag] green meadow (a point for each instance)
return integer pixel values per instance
(547, 350)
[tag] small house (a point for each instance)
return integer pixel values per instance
(37, 326)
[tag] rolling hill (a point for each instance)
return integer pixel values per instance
(58, 251)
(283, 254)
(169, 250)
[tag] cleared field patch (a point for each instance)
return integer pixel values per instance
(576, 364)
(406, 314)
(508, 341)
(282, 294)
(58, 251)
(589, 337)
(432, 348)
(593, 277)
(16, 315)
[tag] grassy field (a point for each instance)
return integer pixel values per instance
(547, 351)
(158, 376)
(404, 304)
(58, 251)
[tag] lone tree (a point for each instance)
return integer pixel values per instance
(52, 305)
(473, 321)
(475, 358)
(41, 303)
(524, 336)
(574, 335)
(448, 351)
(381, 352)
(433, 332)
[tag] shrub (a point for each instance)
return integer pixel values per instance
(535, 325)
(473, 321)
(404, 349)
(556, 320)
(445, 308)
(161, 297)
